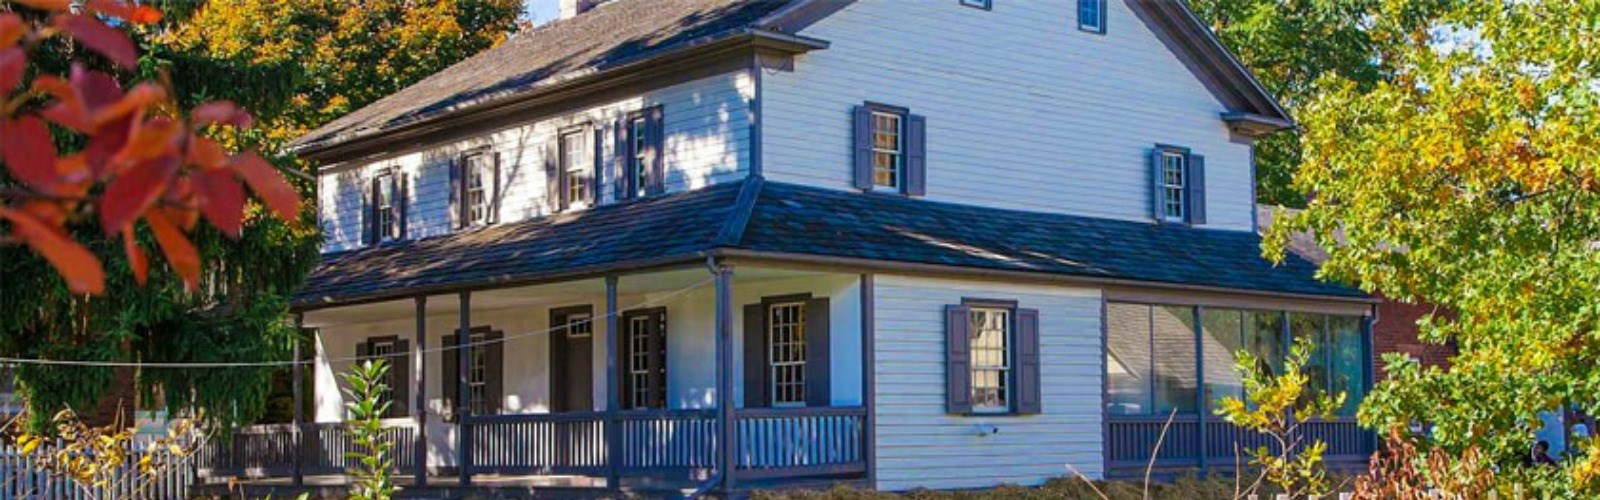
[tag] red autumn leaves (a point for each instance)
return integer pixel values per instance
(141, 160)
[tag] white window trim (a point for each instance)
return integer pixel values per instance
(1180, 188)
(481, 163)
(638, 165)
(1097, 25)
(639, 354)
(579, 325)
(584, 198)
(899, 151)
(1007, 369)
(388, 207)
(478, 374)
(979, 4)
(775, 366)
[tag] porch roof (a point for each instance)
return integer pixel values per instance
(777, 219)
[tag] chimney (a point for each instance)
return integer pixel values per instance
(571, 8)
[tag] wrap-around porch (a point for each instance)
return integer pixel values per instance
(668, 378)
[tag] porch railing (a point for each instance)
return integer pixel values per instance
(792, 442)
(269, 451)
(1130, 441)
(539, 443)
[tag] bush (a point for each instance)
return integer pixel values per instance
(1184, 488)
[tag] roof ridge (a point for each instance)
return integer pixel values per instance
(739, 218)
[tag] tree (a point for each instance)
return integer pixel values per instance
(1289, 44)
(1471, 180)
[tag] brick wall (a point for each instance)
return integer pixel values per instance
(1396, 331)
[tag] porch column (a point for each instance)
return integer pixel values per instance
(1204, 406)
(296, 377)
(613, 399)
(419, 408)
(725, 416)
(869, 385)
(464, 391)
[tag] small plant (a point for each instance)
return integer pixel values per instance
(1276, 407)
(368, 403)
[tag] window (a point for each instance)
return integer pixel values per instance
(479, 186)
(1150, 360)
(397, 380)
(485, 367)
(1092, 16)
(386, 206)
(1337, 361)
(577, 173)
(1174, 182)
(888, 150)
(990, 330)
(639, 361)
(579, 325)
(639, 161)
(786, 348)
(384, 349)
(478, 374)
(981, 4)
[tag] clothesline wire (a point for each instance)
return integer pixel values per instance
(259, 364)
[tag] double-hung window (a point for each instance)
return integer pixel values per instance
(479, 183)
(786, 350)
(991, 345)
(385, 349)
(1174, 185)
(638, 159)
(1092, 16)
(576, 169)
(890, 147)
(386, 207)
(888, 150)
(478, 374)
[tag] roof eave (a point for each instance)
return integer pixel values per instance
(338, 147)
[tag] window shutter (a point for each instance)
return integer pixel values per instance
(818, 383)
(755, 356)
(1029, 401)
(622, 183)
(450, 376)
(495, 366)
(656, 126)
(1196, 195)
(916, 155)
(552, 176)
(400, 365)
(458, 189)
(494, 184)
(862, 125)
(597, 175)
(369, 214)
(958, 363)
(1155, 185)
(403, 201)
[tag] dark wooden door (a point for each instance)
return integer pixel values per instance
(572, 359)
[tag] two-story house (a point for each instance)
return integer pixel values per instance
(744, 243)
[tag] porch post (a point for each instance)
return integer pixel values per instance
(464, 391)
(1201, 403)
(725, 415)
(869, 385)
(419, 408)
(613, 399)
(296, 378)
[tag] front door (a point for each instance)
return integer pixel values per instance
(644, 359)
(572, 359)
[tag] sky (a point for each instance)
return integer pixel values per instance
(541, 11)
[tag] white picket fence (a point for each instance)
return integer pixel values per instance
(21, 476)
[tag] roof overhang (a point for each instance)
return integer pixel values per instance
(1254, 125)
(1222, 73)
(654, 66)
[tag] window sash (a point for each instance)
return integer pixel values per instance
(888, 149)
(991, 357)
(576, 168)
(639, 166)
(639, 354)
(387, 207)
(1090, 15)
(1174, 182)
(477, 178)
(786, 353)
(478, 374)
(385, 350)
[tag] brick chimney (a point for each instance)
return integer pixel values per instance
(571, 8)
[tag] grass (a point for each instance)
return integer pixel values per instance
(1184, 488)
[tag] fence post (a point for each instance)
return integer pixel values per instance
(299, 403)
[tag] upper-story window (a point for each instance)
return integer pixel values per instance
(890, 150)
(384, 208)
(1092, 16)
(1178, 187)
(638, 163)
(478, 188)
(980, 4)
(576, 168)
(639, 154)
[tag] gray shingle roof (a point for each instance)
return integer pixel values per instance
(614, 33)
(798, 220)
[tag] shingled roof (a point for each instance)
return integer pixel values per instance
(779, 219)
(612, 34)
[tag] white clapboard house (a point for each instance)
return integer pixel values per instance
(736, 244)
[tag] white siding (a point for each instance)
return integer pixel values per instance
(919, 445)
(1024, 110)
(706, 136)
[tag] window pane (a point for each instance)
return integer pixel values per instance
(1176, 381)
(1128, 377)
(1309, 326)
(1224, 336)
(1348, 361)
(991, 364)
(1264, 338)
(888, 149)
(786, 336)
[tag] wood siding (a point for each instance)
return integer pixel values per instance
(706, 138)
(919, 445)
(1024, 110)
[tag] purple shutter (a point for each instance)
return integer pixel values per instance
(1029, 401)
(755, 356)
(621, 154)
(818, 383)
(458, 189)
(1155, 185)
(450, 377)
(400, 394)
(402, 202)
(597, 171)
(1197, 189)
(494, 187)
(862, 144)
(369, 213)
(494, 357)
(552, 176)
(916, 155)
(656, 127)
(957, 360)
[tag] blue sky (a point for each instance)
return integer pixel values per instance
(542, 11)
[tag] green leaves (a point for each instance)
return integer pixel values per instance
(1275, 406)
(368, 403)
